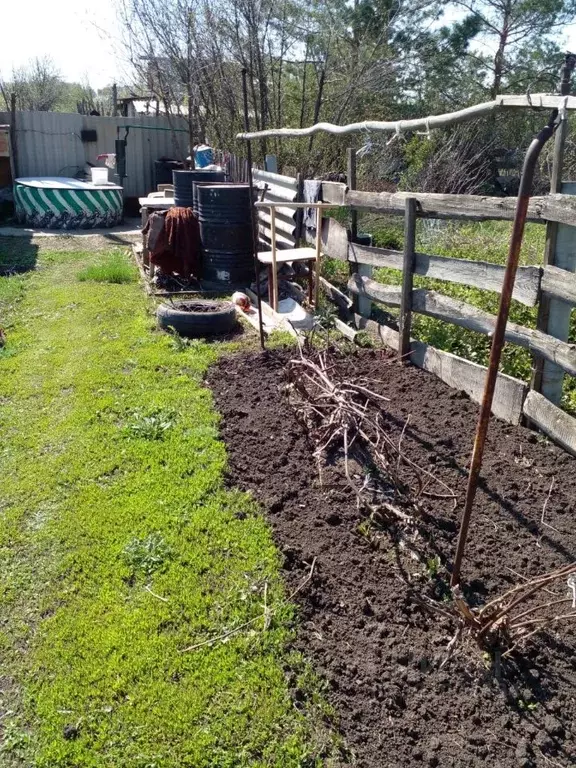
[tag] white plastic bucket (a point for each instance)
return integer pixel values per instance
(99, 175)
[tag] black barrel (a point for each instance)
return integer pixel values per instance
(226, 234)
(163, 171)
(183, 185)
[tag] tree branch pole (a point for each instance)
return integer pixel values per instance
(252, 209)
(534, 101)
(498, 339)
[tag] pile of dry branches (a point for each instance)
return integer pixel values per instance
(344, 415)
(511, 619)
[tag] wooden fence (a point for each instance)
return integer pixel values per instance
(514, 400)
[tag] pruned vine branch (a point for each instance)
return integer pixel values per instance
(346, 415)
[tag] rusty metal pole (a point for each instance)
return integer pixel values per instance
(252, 208)
(498, 338)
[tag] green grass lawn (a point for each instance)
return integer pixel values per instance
(120, 548)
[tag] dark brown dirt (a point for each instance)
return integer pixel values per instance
(201, 306)
(382, 655)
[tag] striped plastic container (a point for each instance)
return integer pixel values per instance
(61, 203)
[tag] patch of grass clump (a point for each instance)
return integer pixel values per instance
(114, 268)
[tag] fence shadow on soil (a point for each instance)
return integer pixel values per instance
(505, 504)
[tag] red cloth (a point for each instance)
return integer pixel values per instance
(175, 247)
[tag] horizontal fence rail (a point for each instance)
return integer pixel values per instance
(436, 305)
(559, 208)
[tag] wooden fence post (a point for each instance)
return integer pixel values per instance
(405, 320)
(361, 305)
(554, 314)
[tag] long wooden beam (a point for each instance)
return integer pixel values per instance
(478, 274)
(467, 316)
(560, 208)
(537, 100)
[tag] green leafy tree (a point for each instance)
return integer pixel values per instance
(516, 35)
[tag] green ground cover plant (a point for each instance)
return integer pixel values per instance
(121, 547)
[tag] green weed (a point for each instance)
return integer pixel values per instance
(151, 425)
(433, 566)
(147, 555)
(114, 268)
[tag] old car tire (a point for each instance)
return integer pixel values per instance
(197, 317)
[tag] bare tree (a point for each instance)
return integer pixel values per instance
(38, 85)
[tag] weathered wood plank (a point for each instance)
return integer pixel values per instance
(334, 239)
(558, 425)
(345, 329)
(275, 179)
(456, 372)
(560, 208)
(405, 319)
(343, 301)
(470, 378)
(467, 316)
(559, 283)
(477, 274)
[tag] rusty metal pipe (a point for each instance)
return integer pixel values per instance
(498, 337)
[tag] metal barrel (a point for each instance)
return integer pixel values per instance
(226, 235)
(163, 170)
(184, 181)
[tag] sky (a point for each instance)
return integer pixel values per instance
(81, 38)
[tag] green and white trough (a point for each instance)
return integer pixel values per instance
(62, 203)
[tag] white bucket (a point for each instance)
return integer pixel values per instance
(99, 175)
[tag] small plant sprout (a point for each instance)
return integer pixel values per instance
(148, 555)
(152, 425)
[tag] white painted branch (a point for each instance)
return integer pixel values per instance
(537, 100)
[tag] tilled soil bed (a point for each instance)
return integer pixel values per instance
(399, 702)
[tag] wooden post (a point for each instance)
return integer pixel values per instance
(351, 180)
(405, 320)
(318, 252)
(273, 248)
(554, 317)
(299, 214)
(547, 378)
(360, 304)
(13, 137)
(114, 100)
